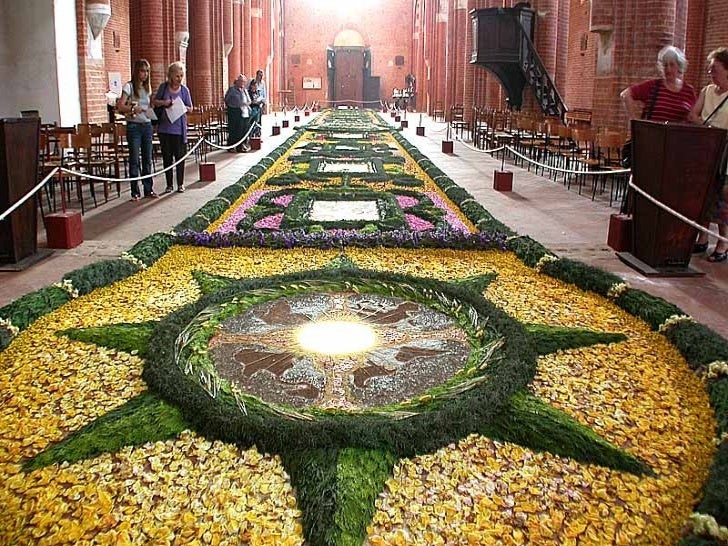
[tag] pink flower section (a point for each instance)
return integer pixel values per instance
(452, 218)
(239, 213)
(269, 222)
(415, 223)
(405, 201)
(283, 200)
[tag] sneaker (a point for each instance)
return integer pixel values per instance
(246, 147)
(168, 189)
(151, 195)
(181, 189)
(135, 198)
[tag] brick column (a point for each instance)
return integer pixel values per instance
(199, 72)
(469, 69)
(235, 61)
(181, 30)
(148, 37)
(546, 32)
(695, 44)
(248, 64)
(562, 46)
(629, 55)
(256, 16)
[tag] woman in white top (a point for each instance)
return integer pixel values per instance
(135, 104)
(712, 106)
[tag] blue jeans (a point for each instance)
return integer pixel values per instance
(139, 137)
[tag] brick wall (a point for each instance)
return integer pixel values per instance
(93, 70)
(311, 27)
(593, 48)
(117, 49)
(716, 34)
(581, 58)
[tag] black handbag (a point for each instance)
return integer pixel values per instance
(626, 154)
(159, 110)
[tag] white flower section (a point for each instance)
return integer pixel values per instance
(673, 320)
(617, 290)
(13, 330)
(332, 211)
(345, 167)
(67, 285)
(705, 525)
(716, 369)
(545, 259)
(133, 259)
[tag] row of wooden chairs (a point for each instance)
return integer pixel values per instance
(95, 149)
(102, 150)
(553, 147)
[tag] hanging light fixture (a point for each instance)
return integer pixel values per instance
(97, 15)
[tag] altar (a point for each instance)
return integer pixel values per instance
(403, 99)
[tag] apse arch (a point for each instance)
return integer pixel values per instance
(349, 37)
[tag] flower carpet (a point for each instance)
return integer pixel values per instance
(345, 348)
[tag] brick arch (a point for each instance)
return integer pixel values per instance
(350, 37)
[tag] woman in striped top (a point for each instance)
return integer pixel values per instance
(667, 98)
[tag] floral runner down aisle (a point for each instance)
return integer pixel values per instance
(345, 348)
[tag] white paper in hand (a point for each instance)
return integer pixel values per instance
(177, 110)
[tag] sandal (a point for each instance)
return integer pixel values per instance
(699, 248)
(717, 257)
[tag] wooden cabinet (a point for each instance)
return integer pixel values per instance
(18, 175)
(676, 164)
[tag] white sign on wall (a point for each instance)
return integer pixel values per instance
(311, 83)
(115, 83)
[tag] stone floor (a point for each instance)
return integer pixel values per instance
(566, 222)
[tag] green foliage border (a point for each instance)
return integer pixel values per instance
(654, 310)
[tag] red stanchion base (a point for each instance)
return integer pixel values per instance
(307, 113)
(64, 229)
(285, 123)
(502, 180)
(447, 146)
(207, 172)
(392, 114)
(405, 124)
(619, 236)
(276, 130)
(296, 118)
(420, 131)
(254, 143)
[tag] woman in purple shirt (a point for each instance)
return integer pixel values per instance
(173, 135)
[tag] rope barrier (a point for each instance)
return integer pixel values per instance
(675, 213)
(203, 140)
(79, 174)
(37, 187)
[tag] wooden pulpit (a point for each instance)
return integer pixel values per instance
(676, 164)
(18, 175)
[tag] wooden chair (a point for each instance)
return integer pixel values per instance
(584, 155)
(457, 120)
(87, 160)
(195, 131)
(479, 130)
(438, 114)
(610, 154)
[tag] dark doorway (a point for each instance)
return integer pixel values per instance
(348, 76)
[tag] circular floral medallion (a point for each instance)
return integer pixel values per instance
(339, 350)
(344, 357)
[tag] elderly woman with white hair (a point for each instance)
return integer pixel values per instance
(667, 98)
